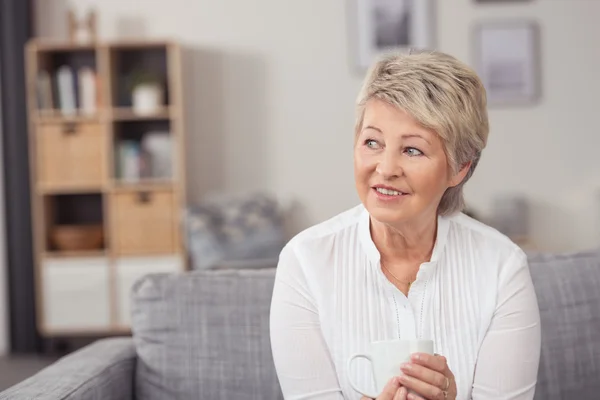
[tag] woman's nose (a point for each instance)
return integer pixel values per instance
(389, 165)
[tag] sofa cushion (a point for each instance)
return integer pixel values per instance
(567, 288)
(204, 335)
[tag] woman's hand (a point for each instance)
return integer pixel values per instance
(429, 377)
(392, 391)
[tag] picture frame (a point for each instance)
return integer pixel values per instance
(384, 26)
(507, 59)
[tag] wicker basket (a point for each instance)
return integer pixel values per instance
(77, 237)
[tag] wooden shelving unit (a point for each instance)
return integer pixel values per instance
(78, 180)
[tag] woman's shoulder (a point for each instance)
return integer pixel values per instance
(314, 248)
(488, 253)
(330, 228)
(470, 233)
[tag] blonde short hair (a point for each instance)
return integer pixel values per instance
(442, 94)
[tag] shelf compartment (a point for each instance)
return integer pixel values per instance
(143, 152)
(76, 294)
(127, 61)
(79, 211)
(144, 222)
(71, 154)
(78, 91)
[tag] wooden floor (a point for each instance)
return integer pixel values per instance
(14, 369)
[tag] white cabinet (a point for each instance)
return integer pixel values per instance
(76, 294)
(130, 269)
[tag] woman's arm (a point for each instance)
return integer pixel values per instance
(508, 360)
(302, 360)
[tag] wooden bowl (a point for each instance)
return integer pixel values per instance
(77, 237)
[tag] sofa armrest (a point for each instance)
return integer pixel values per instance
(103, 370)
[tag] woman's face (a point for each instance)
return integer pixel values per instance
(400, 168)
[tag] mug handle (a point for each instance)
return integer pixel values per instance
(363, 392)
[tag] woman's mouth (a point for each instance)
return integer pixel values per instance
(388, 194)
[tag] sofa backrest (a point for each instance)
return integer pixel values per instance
(568, 291)
(204, 335)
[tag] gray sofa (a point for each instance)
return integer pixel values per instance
(204, 335)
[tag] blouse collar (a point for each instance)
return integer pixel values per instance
(443, 226)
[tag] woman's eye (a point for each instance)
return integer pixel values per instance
(412, 152)
(372, 144)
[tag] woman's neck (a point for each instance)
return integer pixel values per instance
(407, 242)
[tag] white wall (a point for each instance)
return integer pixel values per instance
(3, 265)
(271, 92)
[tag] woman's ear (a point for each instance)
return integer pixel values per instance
(458, 177)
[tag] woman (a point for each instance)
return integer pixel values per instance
(406, 263)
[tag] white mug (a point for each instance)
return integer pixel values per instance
(386, 358)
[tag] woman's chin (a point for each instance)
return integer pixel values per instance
(388, 215)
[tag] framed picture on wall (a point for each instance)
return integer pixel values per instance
(507, 58)
(381, 26)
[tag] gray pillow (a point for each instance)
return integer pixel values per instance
(204, 335)
(227, 229)
(567, 288)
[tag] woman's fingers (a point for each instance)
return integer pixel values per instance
(435, 362)
(428, 376)
(401, 394)
(425, 374)
(390, 389)
(426, 390)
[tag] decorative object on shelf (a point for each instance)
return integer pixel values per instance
(71, 91)
(157, 146)
(381, 26)
(149, 158)
(66, 91)
(87, 91)
(147, 94)
(129, 161)
(83, 30)
(77, 237)
(45, 101)
(507, 57)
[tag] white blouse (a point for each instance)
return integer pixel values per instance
(474, 299)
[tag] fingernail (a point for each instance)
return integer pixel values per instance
(406, 366)
(416, 357)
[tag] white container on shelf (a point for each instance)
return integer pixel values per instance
(147, 99)
(76, 294)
